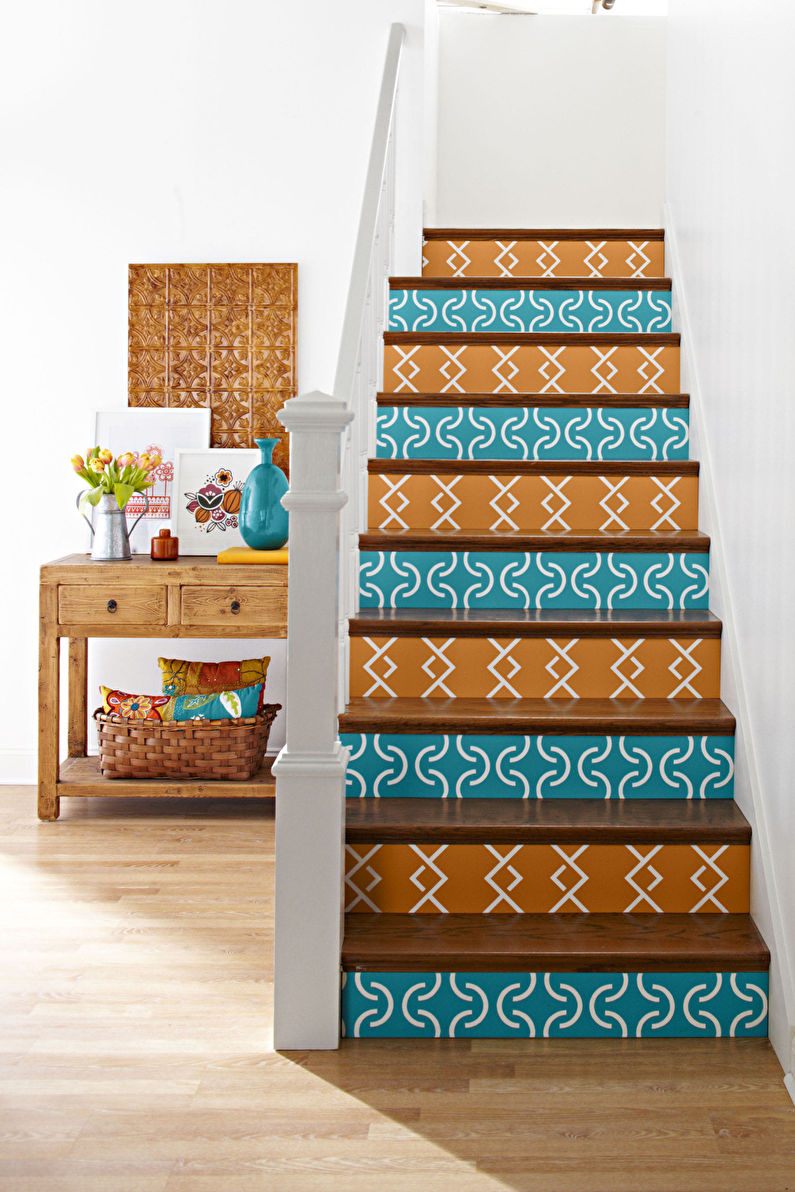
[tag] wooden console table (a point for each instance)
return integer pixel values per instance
(192, 597)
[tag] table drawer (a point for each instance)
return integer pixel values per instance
(261, 607)
(95, 605)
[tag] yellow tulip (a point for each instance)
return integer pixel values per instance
(143, 460)
(97, 464)
(106, 456)
(125, 460)
(78, 463)
(154, 462)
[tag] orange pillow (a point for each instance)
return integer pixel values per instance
(208, 678)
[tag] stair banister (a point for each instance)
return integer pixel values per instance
(330, 438)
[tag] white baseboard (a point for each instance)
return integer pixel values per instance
(732, 658)
(17, 767)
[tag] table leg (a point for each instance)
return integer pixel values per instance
(49, 705)
(78, 696)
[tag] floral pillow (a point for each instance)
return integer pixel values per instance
(204, 678)
(222, 705)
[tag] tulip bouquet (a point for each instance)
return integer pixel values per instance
(127, 474)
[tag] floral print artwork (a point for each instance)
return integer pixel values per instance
(216, 505)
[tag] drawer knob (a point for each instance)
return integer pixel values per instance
(235, 606)
(112, 606)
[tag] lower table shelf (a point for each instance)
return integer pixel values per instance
(81, 776)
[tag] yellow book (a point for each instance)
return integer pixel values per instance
(244, 554)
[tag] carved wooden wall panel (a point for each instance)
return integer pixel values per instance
(221, 336)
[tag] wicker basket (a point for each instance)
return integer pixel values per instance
(226, 750)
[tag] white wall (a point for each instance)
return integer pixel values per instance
(165, 130)
(731, 177)
(548, 121)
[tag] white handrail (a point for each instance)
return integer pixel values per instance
(359, 367)
(330, 439)
(347, 360)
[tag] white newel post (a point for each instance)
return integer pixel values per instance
(310, 770)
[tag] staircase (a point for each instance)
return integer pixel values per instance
(541, 835)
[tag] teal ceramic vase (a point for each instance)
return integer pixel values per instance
(263, 521)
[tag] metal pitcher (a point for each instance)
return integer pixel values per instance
(110, 534)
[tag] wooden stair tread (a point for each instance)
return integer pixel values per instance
(428, 282)
(546, 821)
(553, 943)
(540, 540)
(551, 400)
(586, 338)
(647, 717)
(543, 233)
(536, 467)
(535, 622)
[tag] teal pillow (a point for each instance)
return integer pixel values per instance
(222, 705)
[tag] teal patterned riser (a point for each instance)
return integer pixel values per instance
(554, 1005)
(542, 579)
(530, 310)
(531, 432)
(482, 766)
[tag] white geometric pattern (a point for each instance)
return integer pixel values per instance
(666, 518)
(548, 260)
(503, 681)
(627, 655)
(445, 518)
(503, 859)
(603, 358)
(437, 654)
(710, 864)
(380, 652)
(428, 863)
(685, 683)
(580, 876)
(561, 655)
(504, 515)
(556, 516)
(614, 515)
(644, 857)
(596, 266)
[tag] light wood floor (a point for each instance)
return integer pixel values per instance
(135, 981)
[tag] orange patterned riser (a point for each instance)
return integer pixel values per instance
(530, 368)
(534, 668)
(543, 258)
(479, 502)
(546, 878)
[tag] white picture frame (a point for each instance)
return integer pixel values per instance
(152, 430)
(195, 472)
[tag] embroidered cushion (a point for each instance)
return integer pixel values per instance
(222, 705)
(205, 678)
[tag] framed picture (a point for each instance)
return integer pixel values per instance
(159, 432)
(207, 489)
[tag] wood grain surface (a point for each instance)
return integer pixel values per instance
(545, 234)
(555, 400)
(535, 467)
(135, 973)
(524, 283)
(570, 338)
(111, 603)
(546, 821)
(658, 717)
(560, 943)
(537, 622)
(636, 541)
